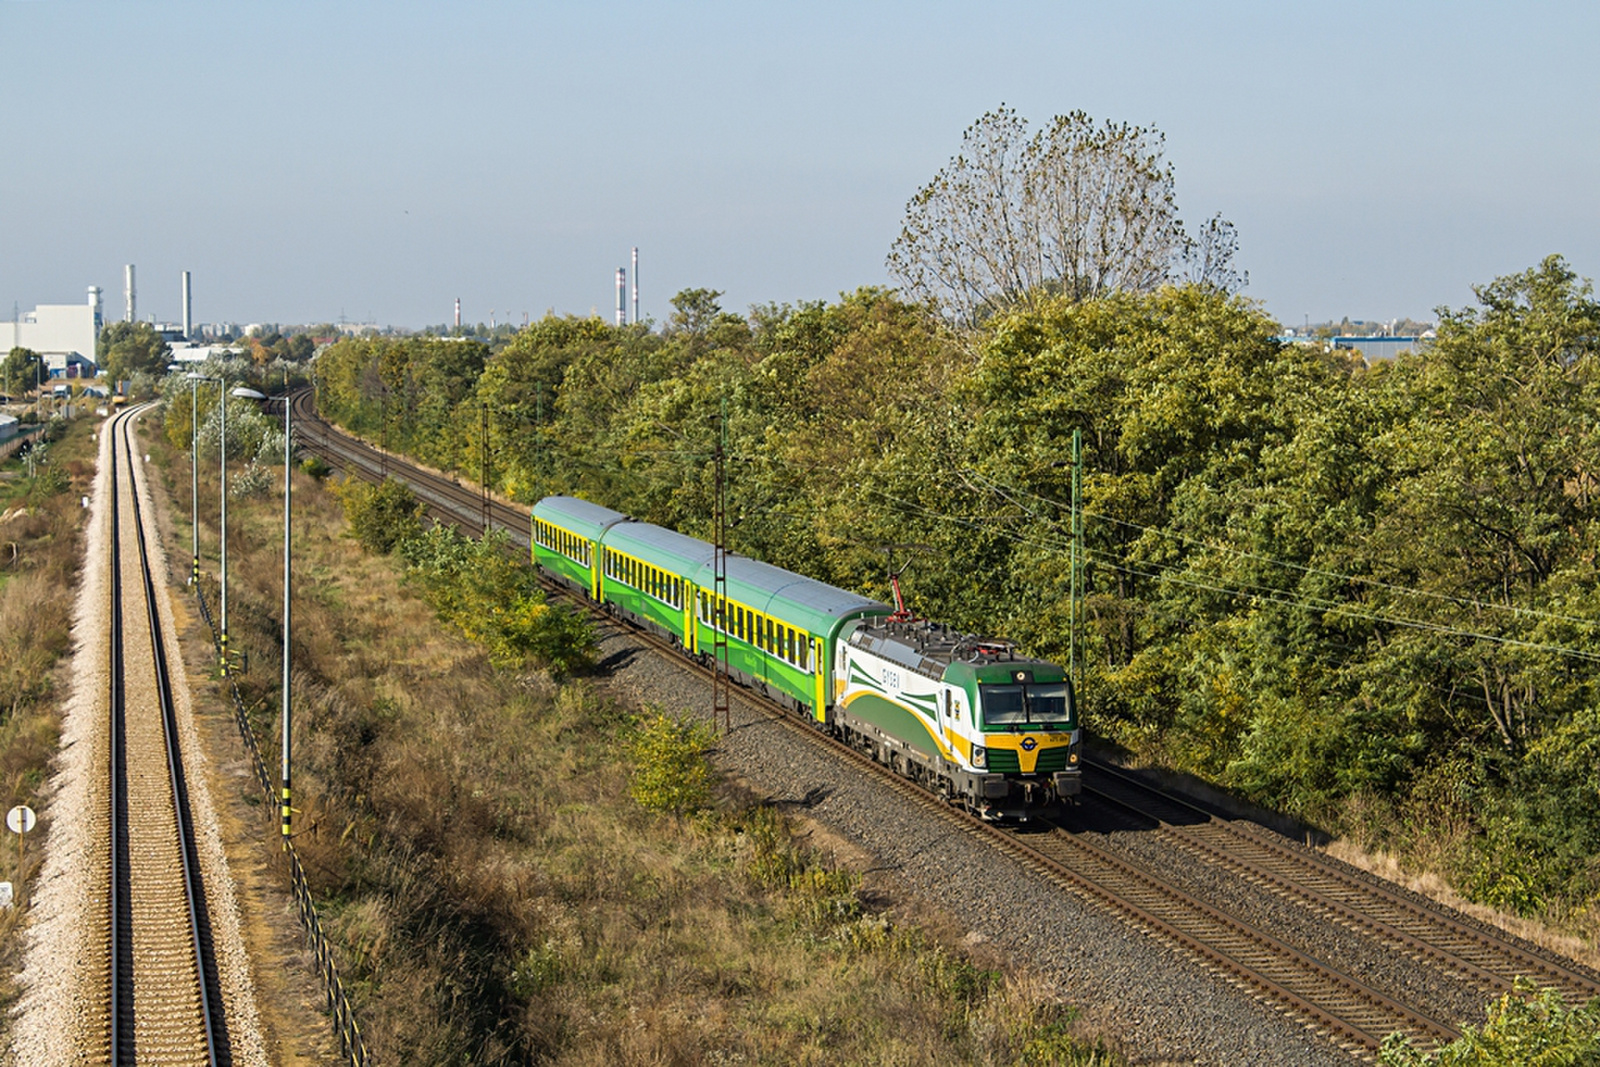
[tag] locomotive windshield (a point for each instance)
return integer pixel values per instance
(1045, 703)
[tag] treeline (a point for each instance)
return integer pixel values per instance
(1366, 596)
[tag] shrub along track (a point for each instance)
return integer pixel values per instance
(1353, 1003)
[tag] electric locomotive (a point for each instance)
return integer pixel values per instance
(966, 716)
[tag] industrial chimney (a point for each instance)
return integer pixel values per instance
(188, 309)
(128, 293)
(635, 285)
(622, 296)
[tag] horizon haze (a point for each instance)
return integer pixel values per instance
(370, 162)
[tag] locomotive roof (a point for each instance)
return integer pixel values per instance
(579, 516)
(935, 650)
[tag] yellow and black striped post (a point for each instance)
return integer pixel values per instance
(288, 604)
(222, 647)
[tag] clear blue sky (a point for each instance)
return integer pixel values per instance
(378, 160)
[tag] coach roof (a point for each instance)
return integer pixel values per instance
(586, 520)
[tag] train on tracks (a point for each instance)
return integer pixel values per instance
(967, 717)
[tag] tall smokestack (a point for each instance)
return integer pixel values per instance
(128, 294)
(622, 296)
(94, 308)
(458, 313)
(188, 308)
(635, 285)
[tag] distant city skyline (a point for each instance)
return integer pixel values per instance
(309, 162)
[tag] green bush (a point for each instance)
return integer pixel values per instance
(1526, 1027)
(495, 599)
(380, 516)
(671, 768)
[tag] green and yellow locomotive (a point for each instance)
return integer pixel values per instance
(967, 717)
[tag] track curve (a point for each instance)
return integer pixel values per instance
(1350, 1012)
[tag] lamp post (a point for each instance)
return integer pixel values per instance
(287, 456)
(194, 474)
(222, 454)
(222, 523)
(483, 473)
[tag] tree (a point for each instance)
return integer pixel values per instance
(1077, 208)
(380, 516)
(23, 368)
(128, 348)
(1208, 257)
(1497, 497)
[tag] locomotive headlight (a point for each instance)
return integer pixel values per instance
(980, 757)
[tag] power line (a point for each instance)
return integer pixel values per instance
(1268, 594)
(1289, 565)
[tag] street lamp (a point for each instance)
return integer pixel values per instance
(194, 473)
(288, 454)
(222, 452)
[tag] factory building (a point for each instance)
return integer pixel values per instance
(64, 334)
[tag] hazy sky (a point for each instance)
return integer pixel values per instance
(376, 161)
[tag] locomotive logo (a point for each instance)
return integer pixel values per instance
(1029, 744)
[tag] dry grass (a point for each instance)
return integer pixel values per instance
(500, 898)
(40, 554)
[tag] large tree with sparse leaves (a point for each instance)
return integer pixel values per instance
(1078, 208)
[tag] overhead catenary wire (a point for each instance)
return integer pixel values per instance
(1164, 573)
(1375, 583)
(1261, 593)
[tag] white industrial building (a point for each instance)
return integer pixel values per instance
(63, 334)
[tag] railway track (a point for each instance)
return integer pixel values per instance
(1421, 930)
(160, 1000)
(1352, 1013)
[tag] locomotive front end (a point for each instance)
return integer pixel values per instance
(967, 717)
(1025, 755)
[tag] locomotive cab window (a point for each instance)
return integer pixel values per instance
(1035, 704)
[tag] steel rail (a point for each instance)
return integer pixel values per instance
(1427, 930)
(180, 793)
(120, 1032)
(1220, 942)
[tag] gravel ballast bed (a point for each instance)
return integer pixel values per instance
(1154, 1002)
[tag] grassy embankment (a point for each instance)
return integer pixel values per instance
(499, 894)
(41, 523)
